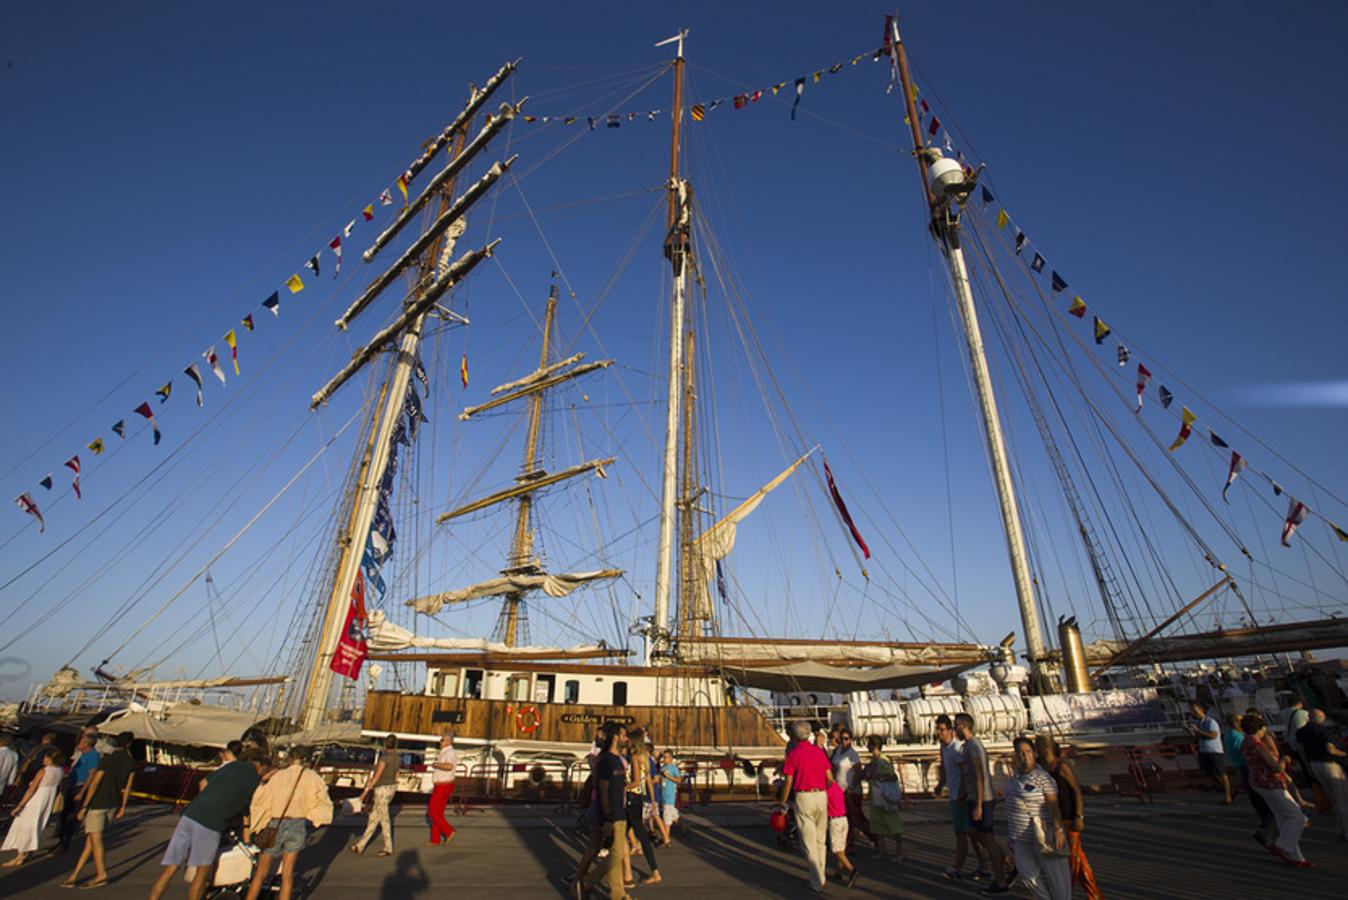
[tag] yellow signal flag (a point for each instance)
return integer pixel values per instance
(697, 112)
(1186, 429)
(463, 371)
(233, 341)
(1002, 219)
(818, 75)
(402, 186)
(96, 445)
(1078, 308)
(294, 283)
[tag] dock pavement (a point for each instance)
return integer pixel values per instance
(1181, 846)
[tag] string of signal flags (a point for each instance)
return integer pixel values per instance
(699, 111)
(1104, 336)
(210, 359)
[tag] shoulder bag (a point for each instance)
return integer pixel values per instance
(264, 839)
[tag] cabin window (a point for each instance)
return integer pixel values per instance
(571, 692)
(619, 693)
(472, 683)
(517, 688)
(445, 684)
(544, 685)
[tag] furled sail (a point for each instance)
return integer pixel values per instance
(527, 485)
(717, 541)
(552, 585)
(770, 651)
(385, 636)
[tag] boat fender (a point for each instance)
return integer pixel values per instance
(527, 720)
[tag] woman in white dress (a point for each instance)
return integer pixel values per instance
(31, 813)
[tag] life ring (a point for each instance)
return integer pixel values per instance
(527, 720)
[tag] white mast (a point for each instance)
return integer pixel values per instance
(942, 181)
(676, 246)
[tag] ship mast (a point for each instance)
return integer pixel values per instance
(433, 279)
(676, 250)
(389, 412)
(946, 228)
(522, 544)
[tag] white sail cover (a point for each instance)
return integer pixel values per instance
(186, 724)
(717, 541)
(711, 650)
(552, 585)
(386, 636)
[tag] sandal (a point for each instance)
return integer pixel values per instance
(384, 853)
(96, 883)
(70, 883)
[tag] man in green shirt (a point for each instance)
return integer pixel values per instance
(196, 838)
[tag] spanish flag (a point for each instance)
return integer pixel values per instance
(368, 212)
(294, 283)
(1186, 429)
(233, 342)
(463, 370)
(402, 186)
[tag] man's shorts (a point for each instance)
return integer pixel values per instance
(96, 820)
(669, 813)
(1212, 764)
(192, 844)
(291, 836)
(837, 833)
(983, 825)
(959, 815)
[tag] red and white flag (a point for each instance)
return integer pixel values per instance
(73, 464)
(26, 504)
(386, 197)
(1296, 514)
(1143, 377)
(214, 362)
(336, 245)
(145, 410)
(353, 645)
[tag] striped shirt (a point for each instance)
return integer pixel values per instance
(1025, 795)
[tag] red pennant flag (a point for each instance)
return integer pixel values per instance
(144, 410)
(934, 127)
(73, 464)
(353, 646)
(1232, 473)
(1143, 377)
(842, 511)
(336, 245)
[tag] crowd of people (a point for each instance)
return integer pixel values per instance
(629, 803)
(830, 800)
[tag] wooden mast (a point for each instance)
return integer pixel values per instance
(364, 490)
(690, 567)
(676, 248)
(522, 544)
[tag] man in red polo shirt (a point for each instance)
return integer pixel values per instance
(809, 772)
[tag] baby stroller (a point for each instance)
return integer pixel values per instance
(234, 866)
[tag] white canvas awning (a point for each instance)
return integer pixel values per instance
(813, 676)
(189, 724)
(386, 636)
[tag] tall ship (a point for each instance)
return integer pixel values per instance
(390, 595)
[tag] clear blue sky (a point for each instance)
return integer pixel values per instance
(166, 166)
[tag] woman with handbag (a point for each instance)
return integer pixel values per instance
(291, 799)
(886, 798)
(1034, 827)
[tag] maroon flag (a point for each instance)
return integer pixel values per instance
(1143, 377)
(842, 511)
(1237, 466)
(353, 646)
(27, 505)
(934, 127)
(1296, 514)
(144, 410)
(73, 464)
